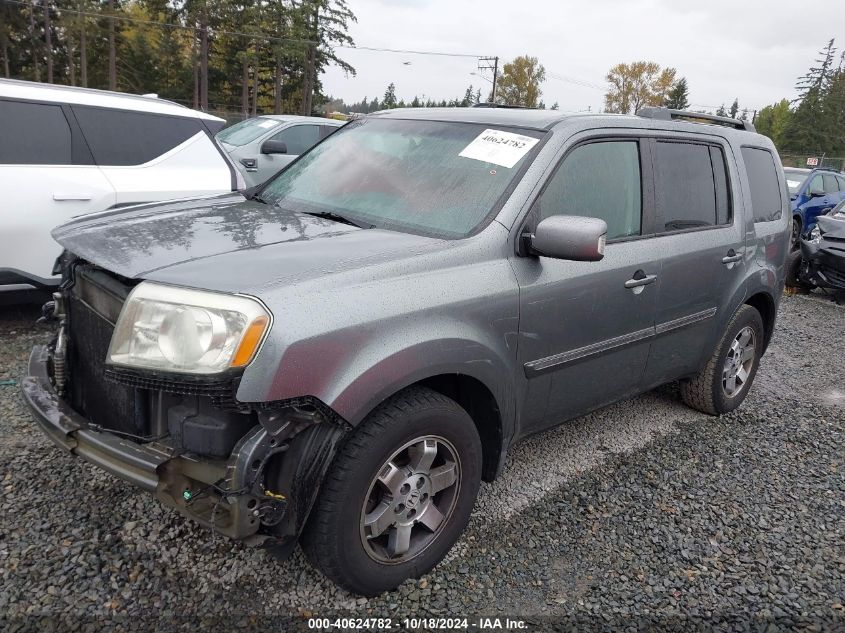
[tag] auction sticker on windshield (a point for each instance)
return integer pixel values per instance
(498, 147)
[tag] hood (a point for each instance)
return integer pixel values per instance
(226, 243)
(831, 228)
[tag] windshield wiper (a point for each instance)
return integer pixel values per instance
(331, 215)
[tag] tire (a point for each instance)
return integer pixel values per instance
(708, 392)
(370, 484)
(793, 270)
(795, 236)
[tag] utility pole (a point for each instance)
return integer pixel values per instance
(490, 63)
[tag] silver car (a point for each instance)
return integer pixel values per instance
(261, 146)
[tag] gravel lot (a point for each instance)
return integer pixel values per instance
(644, 513)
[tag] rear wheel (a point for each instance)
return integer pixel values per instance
(724, 382)
(399, 494)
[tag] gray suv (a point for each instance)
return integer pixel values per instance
(341, 358)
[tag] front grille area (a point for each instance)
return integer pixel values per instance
(105, 403)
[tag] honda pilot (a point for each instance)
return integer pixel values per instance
(339, 358)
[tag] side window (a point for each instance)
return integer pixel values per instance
(766, 202)
(299, 138)
(841, 182)
(816, 185)
(830, 185)
(33, 134)
(120, 137)
(599, 180)
(686, 194)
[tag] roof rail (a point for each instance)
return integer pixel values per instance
(490, 104)
(665, 114)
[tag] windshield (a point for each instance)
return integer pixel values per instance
(247, 131)
(429, 177)
(795, 178)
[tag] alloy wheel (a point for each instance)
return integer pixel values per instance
(409, 501)
(739, 362)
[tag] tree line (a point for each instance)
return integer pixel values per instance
(518, 84)
(245, 56)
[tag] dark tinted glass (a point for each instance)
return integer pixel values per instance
(299, 138)
(686, 194)
(830, 184)
(118, 137)
(764, 182)
(33, 134)
(599, 180)
(723, 201)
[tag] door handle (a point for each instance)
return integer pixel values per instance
(60, 196)
(732, 257)
(638, 282)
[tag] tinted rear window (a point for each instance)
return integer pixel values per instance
(764, 182)
(118, 137)
(686, 195)
(33, 134)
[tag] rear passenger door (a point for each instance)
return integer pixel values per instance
(47, 176)
(701, 240)
(149, 156)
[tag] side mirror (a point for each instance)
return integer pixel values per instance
(570, 237)
(816, 194)
(274, 147)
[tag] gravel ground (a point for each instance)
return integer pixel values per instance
(643, 514)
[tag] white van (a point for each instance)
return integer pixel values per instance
(69, 151)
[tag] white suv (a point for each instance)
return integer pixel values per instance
(68, 151)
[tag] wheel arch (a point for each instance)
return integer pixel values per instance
(764, 303)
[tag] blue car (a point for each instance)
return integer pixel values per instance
(813, 192)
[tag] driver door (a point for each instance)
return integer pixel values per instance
(586, 327)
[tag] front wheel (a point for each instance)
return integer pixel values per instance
(724, 382)
(399, 494)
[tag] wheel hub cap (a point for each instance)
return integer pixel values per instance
(410, 500)
(739, 362)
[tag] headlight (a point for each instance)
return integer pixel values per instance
(816, 235)
(187, 331)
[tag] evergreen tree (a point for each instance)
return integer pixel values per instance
(809, 129)
(678, 97)
(389, 99)
(734, 109)
(721, 111)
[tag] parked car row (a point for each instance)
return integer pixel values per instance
(338, 356)
(820, 260)
(812, 192)
(67, 152)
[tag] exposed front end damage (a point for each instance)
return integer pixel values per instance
(249, 471)
(823, 256)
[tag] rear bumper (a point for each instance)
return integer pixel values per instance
(154, 467)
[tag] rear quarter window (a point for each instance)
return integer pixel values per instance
(33, 134)
(120, 137)
(766, 202)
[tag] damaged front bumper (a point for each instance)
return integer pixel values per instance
(231, 495)
(823, 264)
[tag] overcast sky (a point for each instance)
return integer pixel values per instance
(750, 49)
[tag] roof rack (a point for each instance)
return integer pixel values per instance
(489, 104)
(665, 114)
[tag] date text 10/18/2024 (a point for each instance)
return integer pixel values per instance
(387, 624)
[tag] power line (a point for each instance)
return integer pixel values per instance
(578, 82)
